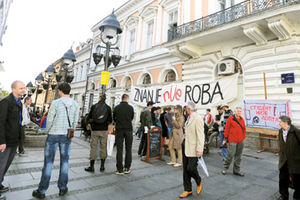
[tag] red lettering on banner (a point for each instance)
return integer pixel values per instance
(172, 95)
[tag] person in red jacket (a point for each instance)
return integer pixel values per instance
(235, 134)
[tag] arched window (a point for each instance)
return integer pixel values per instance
(170, 76)
(146, 79)
(127, 82)
(113, 83)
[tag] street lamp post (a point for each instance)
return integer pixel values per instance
(110, 30)
(38, 80)
(65, 72)
(30, 88)
(50, 71)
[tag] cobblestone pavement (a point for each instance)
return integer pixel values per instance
(155, 181)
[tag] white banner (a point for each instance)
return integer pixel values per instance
(221, 91)
(265, 113)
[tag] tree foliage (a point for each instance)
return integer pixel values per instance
(3, 93)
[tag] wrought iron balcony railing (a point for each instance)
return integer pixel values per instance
(246, 8)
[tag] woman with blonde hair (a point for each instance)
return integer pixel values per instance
(176, 137)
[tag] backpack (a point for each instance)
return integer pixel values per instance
(227, 114)
(100, 113)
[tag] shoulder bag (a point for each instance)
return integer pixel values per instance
(71, 131)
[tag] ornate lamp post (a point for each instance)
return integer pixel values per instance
(50, 71)
(65, 71)
(30, 88)
(110, 30)
(38, 80)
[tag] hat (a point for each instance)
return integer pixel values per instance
(219, 107)
(150, 103)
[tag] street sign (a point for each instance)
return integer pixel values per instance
(104, 77)
(287, 78)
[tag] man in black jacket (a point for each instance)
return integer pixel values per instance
(10, 129)
(100, 117)
(123, 115)
(289, 158)
(146, 123)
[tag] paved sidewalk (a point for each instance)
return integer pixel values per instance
(157, 181)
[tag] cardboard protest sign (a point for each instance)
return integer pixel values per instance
(265, 113)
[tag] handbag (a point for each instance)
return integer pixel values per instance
(70, 133)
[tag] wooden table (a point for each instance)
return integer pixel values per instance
(266, 134)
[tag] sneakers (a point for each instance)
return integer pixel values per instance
(177, 165)
(22, 153)
(171, 163)
(118, 172)
(38, 194)
(127, 171)
(63, 192)
(238, 174)
(224, 171)
(3, 189)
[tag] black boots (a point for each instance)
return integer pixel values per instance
(102, 165)
(91, 167)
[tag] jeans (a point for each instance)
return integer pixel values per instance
(169, 132)
(221, 138)
(64, 144)
(122, 135)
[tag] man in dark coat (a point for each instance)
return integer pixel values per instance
(10, 129)
(289, 158)
(146, 121)
(123, 115)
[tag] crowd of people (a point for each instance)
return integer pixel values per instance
(184, 132)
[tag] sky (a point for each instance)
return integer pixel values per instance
(40, 31)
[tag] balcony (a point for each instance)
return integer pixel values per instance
(236, 12)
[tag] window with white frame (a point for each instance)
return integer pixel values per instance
(132, 41)
(83, 76)
(127, 82)
(173, 18)
(147, 79)
(170, 76)
(150, 27)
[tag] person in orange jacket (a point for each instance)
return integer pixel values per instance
(235, 134)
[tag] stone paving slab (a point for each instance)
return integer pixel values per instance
(156, 181)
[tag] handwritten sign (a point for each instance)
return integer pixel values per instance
(265, 113)
(154, 146)
(220, 91)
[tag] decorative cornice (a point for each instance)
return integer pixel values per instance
(280, 26)
(190, 49)
(174, 50)
(255, 33)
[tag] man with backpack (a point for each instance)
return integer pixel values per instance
(100, 117)
(235, 134)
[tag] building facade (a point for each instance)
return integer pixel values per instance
(80, 69)
(4, 8)
(179, 41)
